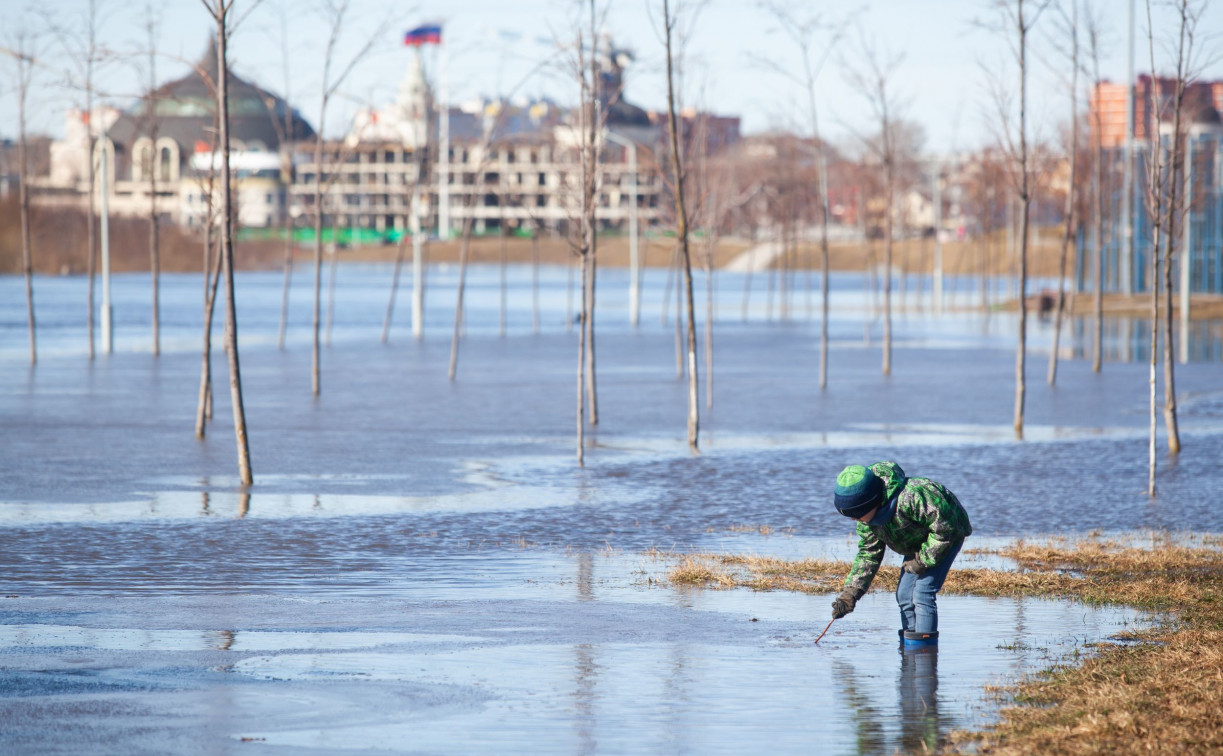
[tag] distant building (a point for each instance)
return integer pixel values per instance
(1203, 100)
(510, 164)
(1125, 255)
(171, 132)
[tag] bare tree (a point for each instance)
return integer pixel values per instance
(211, 266)
(152, 162)
(1094, 34)
(874, 82)
(1154, 203)
(335, 16)
(221, 11)
(23, 52)
(283, 123)
(1015, 23)
(484, 152)
(1070, 27)
(85, 54)
(670, 23)
(1188, 14)
(815, 40)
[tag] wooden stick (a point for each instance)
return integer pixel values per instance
(834, 619)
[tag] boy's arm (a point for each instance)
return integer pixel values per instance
(866, 563)
(944, 518)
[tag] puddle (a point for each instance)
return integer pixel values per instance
(49, 637)
(524, 653)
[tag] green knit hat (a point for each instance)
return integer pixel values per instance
(858, 491)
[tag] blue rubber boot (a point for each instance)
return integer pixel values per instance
(918, 640)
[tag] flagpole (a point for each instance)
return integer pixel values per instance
(443, 192)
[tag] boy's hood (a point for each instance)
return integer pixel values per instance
(892, 476)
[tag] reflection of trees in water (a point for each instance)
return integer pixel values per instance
(586, 675)
(867, 720)
(1128, 339)
(586, 671)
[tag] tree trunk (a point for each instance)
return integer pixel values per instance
(154, 251)
(1097, 348)
(889, 189)
(682, 216)
(1025, 199)
(569, 296)
(91, 227)
(1177, 159)
(592, 396)
(318, 248)
(458, 306)
(331, 272)
(709, 300)
(287, 227)
(591, 224)
(824, 212)
(212, 277)
(504, 299)
(581, 419)
(1070, 196)
(27, 259)
(535, 280)
(227, 254)
(390, 305)
(679, 318)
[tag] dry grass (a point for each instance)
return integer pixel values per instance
(1162, 694)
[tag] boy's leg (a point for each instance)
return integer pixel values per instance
(925, 588)
(904, 597)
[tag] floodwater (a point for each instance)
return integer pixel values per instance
(421, 567)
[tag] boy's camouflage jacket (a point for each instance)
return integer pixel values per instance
(928, 521)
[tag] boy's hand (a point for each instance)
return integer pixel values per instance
(913, 566)
(843, 605)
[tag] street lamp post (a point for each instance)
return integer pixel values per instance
(634, 286)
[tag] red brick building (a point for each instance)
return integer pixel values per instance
(1107, 105)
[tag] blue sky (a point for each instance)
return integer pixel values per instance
(495, 44)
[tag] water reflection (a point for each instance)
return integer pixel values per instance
(874, 723)
(865, 717)
(1129, 340)
(919, 715)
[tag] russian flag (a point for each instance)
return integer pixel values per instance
(429, 34)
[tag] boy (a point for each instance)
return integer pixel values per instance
(917, 518)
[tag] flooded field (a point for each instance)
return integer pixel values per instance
(421, 566)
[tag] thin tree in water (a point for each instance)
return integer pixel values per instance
(152, 162)
(86, 54)
(670, 23)
(1072, 32)
(1187, 14)
(221, 11)
(24, 61)
(335, 15)
(1015, 22)
(874, 81)
(805, 33)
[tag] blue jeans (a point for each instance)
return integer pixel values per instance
(916, 594)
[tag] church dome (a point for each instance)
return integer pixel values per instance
(185, 109)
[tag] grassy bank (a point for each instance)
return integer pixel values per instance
(1161, 694)
(59, 240)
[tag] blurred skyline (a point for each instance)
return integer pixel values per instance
(495, 47)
